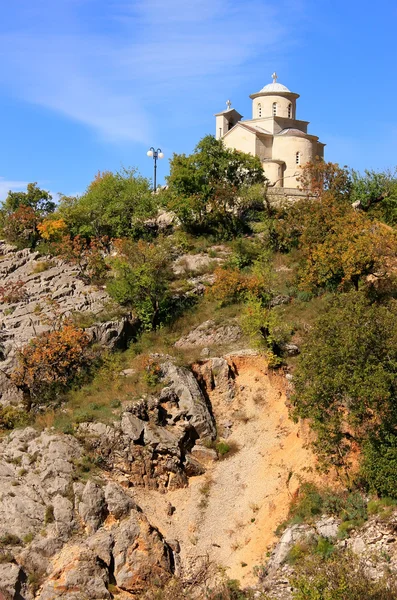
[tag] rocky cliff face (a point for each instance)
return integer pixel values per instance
(64, 533)
(63, 537)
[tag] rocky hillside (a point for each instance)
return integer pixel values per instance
(38, 291)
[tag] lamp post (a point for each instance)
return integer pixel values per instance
(155, 154)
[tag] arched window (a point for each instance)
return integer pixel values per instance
(298, 158)
(274, 109)
(290, 111)
(259, 110)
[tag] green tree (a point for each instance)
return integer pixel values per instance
(141, 277)
(346, 377)
(39, 200)
(379, 463)
(376, 193)
(114, 205)
(208, 189)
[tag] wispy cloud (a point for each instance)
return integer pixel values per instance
(116, 65)
(6, 186)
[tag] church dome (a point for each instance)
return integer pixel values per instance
(275, 87)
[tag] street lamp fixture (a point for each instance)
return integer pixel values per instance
(155, 154)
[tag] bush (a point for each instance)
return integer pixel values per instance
(231, 286)
(51, 362)
(11, 417)
(379, 464)
(141, 276)
(346, 376)
(310, 502)
(343, 576)
(114, 205)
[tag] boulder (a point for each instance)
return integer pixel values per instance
(291, 536)
(190, 398)
(328, 527)
(92, 507)
(119, 503)
(13, 582)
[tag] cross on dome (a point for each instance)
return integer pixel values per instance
(274, 76)
(228, 104)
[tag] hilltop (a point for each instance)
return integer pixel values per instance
(198, 386)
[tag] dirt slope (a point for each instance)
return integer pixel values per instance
(231, 512)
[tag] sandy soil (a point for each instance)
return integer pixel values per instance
(230, 513)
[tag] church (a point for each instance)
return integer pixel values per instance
(274, 134)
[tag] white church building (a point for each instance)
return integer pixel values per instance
(274, 134)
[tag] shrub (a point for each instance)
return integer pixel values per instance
(49, 515)
(51, 362)
(52, 230)
(265, 328)
(11, 417)
(231, 286)
(379, 463)
(141, 277)
(114, 205)
(347, 374)
(343, 576)
(88, 256)
(21, 227)
(13, 291)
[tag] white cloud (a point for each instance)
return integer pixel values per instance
(14, 186)
(115, 70)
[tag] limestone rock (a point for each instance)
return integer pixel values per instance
(12, 582)
(191, 400)
(119, 503)
(92, 507)
(140, 555)
(76, 574)
(194, 262)
(210, 334)
(328, 527)
(291, 536)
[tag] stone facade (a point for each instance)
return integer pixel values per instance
(274, 134)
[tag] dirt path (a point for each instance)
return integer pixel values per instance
(231, 512)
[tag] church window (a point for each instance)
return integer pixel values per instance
(298, 158)
(289, 111)
(259, 110)
(274, 109)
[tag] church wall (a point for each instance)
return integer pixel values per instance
(286, 147)
(274, 173)
(241, 139)
(263, 147)
(267, 106)
(221, 126)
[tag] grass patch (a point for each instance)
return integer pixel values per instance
(226, 449)
(42, 266)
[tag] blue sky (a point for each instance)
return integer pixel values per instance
(88, 85)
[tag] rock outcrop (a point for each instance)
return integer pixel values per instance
(209, 334)
(151, 445)
(38, 292)
(62, 537)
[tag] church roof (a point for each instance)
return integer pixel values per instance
(255, 128)
(275, 87)
(292, 131)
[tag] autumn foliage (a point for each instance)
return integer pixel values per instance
(52, 230)
(51, 362)
(87, 255)
(232, 285)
